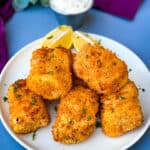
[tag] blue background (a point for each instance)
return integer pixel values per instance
(34, 22)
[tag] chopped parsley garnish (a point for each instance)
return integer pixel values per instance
(121, 98)
(33, 101)
(143, 90)
(15, 89)
(18, 95)
(83, 110)
(5, 99)
(50, 37)
(50, 72)
(33, 135)
(89, 118)
(52, 55)
(17, 82)
(98, 124)
(112, 110)
(130, 69)
(86, 34)
(99, 41)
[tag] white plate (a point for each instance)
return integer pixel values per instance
(18, 67)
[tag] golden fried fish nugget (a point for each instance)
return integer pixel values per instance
(100, 68)
(50, 74)
(121, 111)
(27, 110)
(76, 116)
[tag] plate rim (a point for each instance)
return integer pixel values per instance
(21, 142)
(11, 133)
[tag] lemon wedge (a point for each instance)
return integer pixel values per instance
(81, 38)
(59, 37)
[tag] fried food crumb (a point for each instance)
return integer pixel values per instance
(76, 116)
(121, 111)
(26, 115)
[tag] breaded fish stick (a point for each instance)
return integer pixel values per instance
(27, 110)
(121, 111)
(50, 74)
(75, 120)
(100, 68)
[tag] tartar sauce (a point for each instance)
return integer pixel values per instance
(70, 6)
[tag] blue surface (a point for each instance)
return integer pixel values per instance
(35, 22)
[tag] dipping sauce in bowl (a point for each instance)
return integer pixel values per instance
(70, 6)
(71, 12)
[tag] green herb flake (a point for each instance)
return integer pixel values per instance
(33, 135)
(142, 89)
(130, 69)
(98, 124)
(89, 118)
(121, 98)
(112, 110)
(5, 99)
(99, 41)
(50, 37)
(86, 34)
(16, 83)
(33, 101)
(51, 73)
(18, 95)
(15, 89)
(52, 55)
(83, 110)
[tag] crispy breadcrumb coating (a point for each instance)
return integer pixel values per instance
(27, 110)
(75, 120)
(100, 68)
(121, 111)
(50, 74)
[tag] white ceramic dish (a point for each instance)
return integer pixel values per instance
(18, 67)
